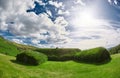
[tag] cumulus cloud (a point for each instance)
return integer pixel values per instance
(90, 30)
(56, 4)
(43, 31)
(106, 36)
(63, 12)
(79, 2)
(21, 23)
(115, 3)
(18, 41)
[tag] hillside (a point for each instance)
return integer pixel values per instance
(115, 50)
(50, 69)
(7, 47)
(9, 68)
(12, 48)
(59, 54)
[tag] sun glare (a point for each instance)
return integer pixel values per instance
(85, 19)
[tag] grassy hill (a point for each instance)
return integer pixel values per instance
(95, 55)
(9, 68)
(7, 47)
(59, 54)
(50, 69)
(115, 50)
(11, 48)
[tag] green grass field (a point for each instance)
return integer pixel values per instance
(68, 69)
(11, 48)
(7, 47)
(9, 68)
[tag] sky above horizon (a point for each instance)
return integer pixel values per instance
(80, 24)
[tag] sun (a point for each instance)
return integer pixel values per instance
(85, 19)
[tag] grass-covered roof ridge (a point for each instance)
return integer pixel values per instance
(31, 57)
(94, 55)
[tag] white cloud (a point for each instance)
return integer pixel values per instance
(116, 2)
(40, 2)
(61, 21)
(32, 25)
(90, 30)
(63, 12)
(109, 1)
(35, 41)
(56, 4)
(49, 13)
(79, 2)
(107, 36)
(18, 41)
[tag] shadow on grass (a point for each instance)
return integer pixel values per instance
(84, 62)
(94, 63)
(15, 61)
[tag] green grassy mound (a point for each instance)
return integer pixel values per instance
(59, 54)
(67, 69)
(7, 47)
(95, 55)
(115, 50)
(11, 48)
(31, 58)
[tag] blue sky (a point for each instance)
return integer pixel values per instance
(61, 23)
